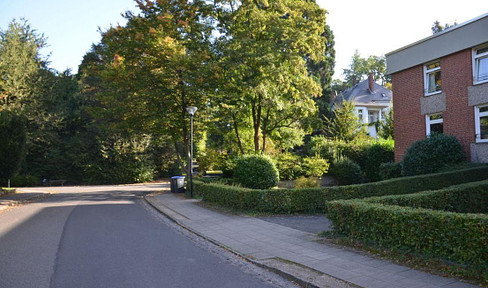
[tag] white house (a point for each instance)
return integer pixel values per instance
(372, 102)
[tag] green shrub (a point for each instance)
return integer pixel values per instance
(304, 182)
(376, 154)
(462, 238)
(210, 160)
(390, 170)
(346, 172)
(228, 167)
(289, 166)
(432, 154)
(333, 150)
(25, 181)
(256, 171)
(313, 200)
(315, 166)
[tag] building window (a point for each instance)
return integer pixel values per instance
(481, 123)
(432, 78)
(373, 116)
(480, 65)
(360, 115)
(434, 124)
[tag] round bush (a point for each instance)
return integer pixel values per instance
(346, 172)
(256, 171)
(431, 155)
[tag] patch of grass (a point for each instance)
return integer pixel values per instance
(473, 275)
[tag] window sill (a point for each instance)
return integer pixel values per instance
(480, 82)
(433, 93)
(481, 141)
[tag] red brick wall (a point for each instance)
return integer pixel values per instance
(408, 88)
(457, 73)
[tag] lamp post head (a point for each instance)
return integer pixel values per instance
(191, 110)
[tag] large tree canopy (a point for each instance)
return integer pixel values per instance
(20, 61)
(153, 68)
(265, 49)
(360, 68)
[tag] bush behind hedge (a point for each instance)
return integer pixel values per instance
(432, 154)
(376, 154)
(458, 237)
(346, 172)
(256, 171)
(313, 200)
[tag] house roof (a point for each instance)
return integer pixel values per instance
(360, 95)
(456, 38)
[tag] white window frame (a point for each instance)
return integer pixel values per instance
(364, 112)
(429, 122)
(476, 59)
(374, 111)
(477, 122)
(426, 78)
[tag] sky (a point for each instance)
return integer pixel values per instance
(373, 27)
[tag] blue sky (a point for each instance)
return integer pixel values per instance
(373, 27)
(71, 26)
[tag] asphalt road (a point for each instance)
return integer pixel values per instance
(107, 236)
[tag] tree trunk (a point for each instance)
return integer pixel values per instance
(236, 130)
(256, 119)
(265, 132)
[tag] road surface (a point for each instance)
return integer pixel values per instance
(107, 236)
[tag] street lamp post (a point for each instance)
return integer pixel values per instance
(191, 110)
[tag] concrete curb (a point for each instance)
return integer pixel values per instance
(302, 281)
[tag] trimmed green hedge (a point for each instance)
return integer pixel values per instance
(464, 198)
(462, 238)
(314, 200)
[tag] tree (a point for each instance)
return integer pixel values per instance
(360, 68)
(323, 71)
(146, 73)
(264, 68)
(12, 150)
(345, 125)
(385, 129)
(20, 61)
(437, 27)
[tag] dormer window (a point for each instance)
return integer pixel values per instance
(480, 65)
(432, 78)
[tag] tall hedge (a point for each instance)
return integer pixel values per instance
(314, 200)
(464, 198)
(462, 238)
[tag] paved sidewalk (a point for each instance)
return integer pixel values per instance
(268, 244)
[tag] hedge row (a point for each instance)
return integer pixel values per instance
(464, 198)
(462, 238)
(314, 200)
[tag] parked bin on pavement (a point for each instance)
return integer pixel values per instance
(178, 184)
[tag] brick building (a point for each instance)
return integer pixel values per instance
(440, 85)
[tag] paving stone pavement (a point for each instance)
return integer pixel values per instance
(261, 240)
